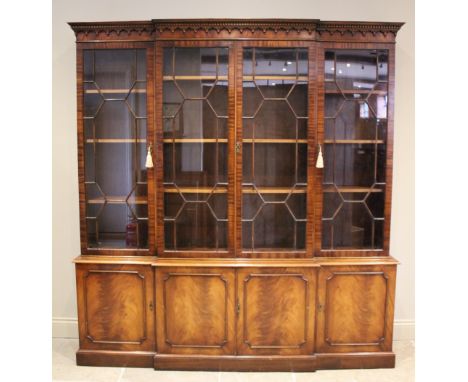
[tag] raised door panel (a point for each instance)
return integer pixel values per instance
(276, 311)
(355, 308)
(195, 310)
(115, 307)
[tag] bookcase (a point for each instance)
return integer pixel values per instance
(235, 181)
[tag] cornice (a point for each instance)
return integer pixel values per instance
(117, 27)
(241, 25)
(309, 27)
(356, 27)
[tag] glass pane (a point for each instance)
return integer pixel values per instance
(115, 148)
(356, 69)
(195, 104)
(276, 61)
(274, 156)
(355, 149)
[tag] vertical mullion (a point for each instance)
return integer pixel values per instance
(235, 138)
(313, 139)
(233, 192)
(159, 148)
(317, 123)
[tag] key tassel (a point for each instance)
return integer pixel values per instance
(149, 158)
(319, 158)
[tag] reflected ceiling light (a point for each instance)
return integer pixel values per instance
(348, 65)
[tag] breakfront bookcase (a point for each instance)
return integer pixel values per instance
(235, 181)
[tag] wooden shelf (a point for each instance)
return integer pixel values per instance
(354, 141)
(194, 78)
(266, 140)
(245, 190)
(119, 200)
(244, 78)
(124, 140)
(195, 190)
(273, 190)
(357, 91)
(275, 78)
(114, 91)
(348, 189)
(195, 140)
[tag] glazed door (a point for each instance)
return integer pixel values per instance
(275, 135)
(276, 310)
(195, 310)
(355, 130)
(355, 308)
(115, 95)
(195, 143)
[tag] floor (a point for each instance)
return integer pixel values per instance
(65, 369)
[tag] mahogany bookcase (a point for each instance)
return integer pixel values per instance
(235, 182)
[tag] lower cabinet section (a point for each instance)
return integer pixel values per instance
(317, 315)
(195, 310)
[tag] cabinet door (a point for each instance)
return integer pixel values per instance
(356, 136)
(195, 310)
(113, 129)
(115, 307)
(355, 308)
(275, 134)
(195, 132)
(276, 309)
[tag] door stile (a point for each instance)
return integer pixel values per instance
(238, 51)
(232, 170)
(158, 149)
(150, 108)
(312, 148)
(319, 134)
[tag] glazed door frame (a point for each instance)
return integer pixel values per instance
(158, 144)
(318, 180)
(80, 47)
(311, 145)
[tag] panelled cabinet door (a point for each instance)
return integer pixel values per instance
(195, 310)
(115, 307)
(276, 308)
(355, 308)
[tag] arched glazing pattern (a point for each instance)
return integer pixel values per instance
(356, 91)
(274, 173)
(195, 103)
(114, 120)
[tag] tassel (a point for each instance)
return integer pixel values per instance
(149, 158)
(319, 158)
